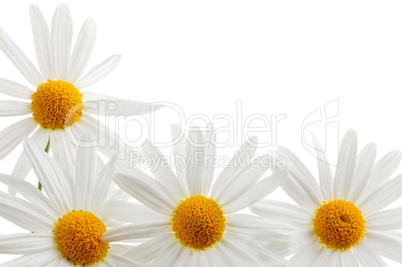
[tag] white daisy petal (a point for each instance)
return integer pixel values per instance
(98, 72)
(116, 260)
(14, 108)
(82, 50)
(11, 136)
(132, 212)
(248, 221)
(387, 246)
(25, 218)
(162, 172)
(364, 165)
(95, 96)
(382, 172)
(168, 256)
(136, 231)
(148, 250)
(268, 256)
(196, 157)
(184, 258)
(224, 258)
(346, 165)
(367, 256)
(57, 184)
(179, 147)
(383, 196)
(42, 42)
(63, 150)
(102, 186)
(145, 193)
(14, 89)
(118, 107)
(210, 153)
(225, 177)
(301, 185)
(325, 173)
(26, 243)
(304, 238)
(348, 259)
(61, 40)
(46, 257)
(231, 247)
(19, 59)
(23, 166)
(283, 211)
(307, 257)
(30, 193)
(259, 191)
(240, 184)
(385, 220)
(85, 173)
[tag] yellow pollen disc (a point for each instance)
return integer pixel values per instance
(339, 225)
(78, 236)
(198, 222)
(56, 105)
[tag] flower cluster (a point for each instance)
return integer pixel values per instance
(94, 214)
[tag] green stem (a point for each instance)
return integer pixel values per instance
(47, 151)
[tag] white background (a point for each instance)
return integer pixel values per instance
(282, 57)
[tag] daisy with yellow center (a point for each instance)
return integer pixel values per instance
(193, 221)
(341, 221)
(65, 225)
(57, 103)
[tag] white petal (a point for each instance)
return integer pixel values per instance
(306, 258)
(325, 173)
(25, 217)
(196, 157)
(145, 193)
(302, 241)
(234, 248)
(98, 72)
(367, 256)
(210, 153)
(23, 166)
(246, 152)
(148, 250)
(348, 259)
(117, 107)
(102, 186)
(85, 173)
(252, 222)
(169, 255)
(385, 220)
(30, 193)
(136, 231)
(383, 196)
(61, 39)
(386, 245)
(283, 211)
(42, 42)
(14, 89)
(301, 185)
(95, 96)
(179, 147)
(46, 257)
(382, 172)
(364, 165)
(162, 172)
(63, 150)
(131, 212)
(259, 191)
(11, 136)
(119, 261)
(240, 184)
(82, 50)
(14, 108)
(346, 165)
(56, 183)
(26, 243)
(19, 59)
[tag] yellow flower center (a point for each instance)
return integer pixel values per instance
(339, 225)
(198, 222)
(78, 236)
(56, 105)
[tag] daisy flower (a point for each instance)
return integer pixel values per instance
(188, 219)
(65, 224)
(57, 92)
(341, 221)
